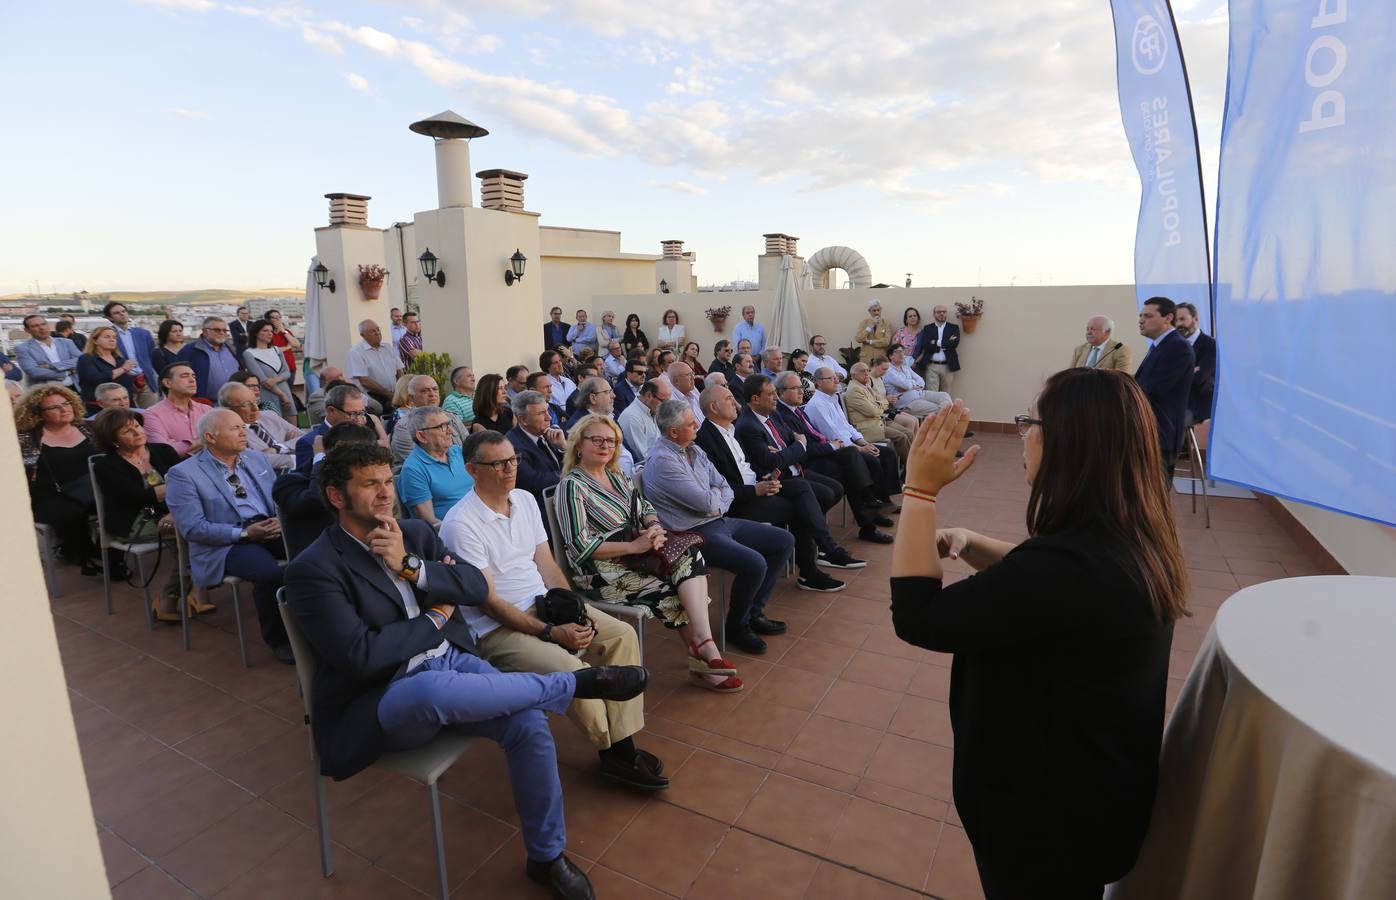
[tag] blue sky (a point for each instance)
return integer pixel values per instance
(172, 144)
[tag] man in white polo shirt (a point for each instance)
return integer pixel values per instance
(499, 530)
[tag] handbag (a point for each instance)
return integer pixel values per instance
(79, 489)
(659, 561)
(560, 606)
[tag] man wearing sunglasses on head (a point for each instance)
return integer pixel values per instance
(221, 500)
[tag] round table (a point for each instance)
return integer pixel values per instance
(1277, 777)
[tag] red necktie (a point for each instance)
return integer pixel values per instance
(810, 425)
(780, 445)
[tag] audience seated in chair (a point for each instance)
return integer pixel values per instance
(343, 403)
(422, 390)
(637, 422)
(301, 507)
(538, 443)
(433, 479)
(377, 601)
(596, 397)
(267, 432)
(175, 419)
(54, 444)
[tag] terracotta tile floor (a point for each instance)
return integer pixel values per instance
(829, 777)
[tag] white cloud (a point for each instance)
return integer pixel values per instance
(680, 187)
(185, 5)
(186, 113)
(356, 81)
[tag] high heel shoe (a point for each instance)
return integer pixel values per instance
(197, 608)
(729, 685)
(700, 666)
(162, 615)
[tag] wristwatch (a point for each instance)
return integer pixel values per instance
(243, 536)
(546, 635)
(411, 567)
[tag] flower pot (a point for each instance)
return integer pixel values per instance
(718, 322)
(371, 289)
(970, 322)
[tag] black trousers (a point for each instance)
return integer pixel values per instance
(802, 507)
(887, 469)
(68, 518)
(1017, 884)
(846, 466)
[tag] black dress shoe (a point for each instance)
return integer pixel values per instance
(873, 536)
(882, 521)
(969, 434)
(284, 654)
(636, 775)
(745, 641)
(611, 682)
(655, 763)
(565, 879)
(763, 625)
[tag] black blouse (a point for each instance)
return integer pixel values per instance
(125, 491)
(93, 370)
(1056, 700)
(630, 342)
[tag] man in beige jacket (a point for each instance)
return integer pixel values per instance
(867, 412)
(1101, 351)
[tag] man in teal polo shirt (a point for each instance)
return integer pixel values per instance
(433, 477)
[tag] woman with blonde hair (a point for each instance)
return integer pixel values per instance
(1060, 643)
(101, 361)
(611, 532)
(54, 445)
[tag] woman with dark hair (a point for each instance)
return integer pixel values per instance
(690, 356)
(633, 338)
(102, 362)
(799, 361)
(910, 330)
(283, 338)
(1061, 643)
(265, 360)
(169, 340)
(131, 473)
(54, 445)
(492, 412)
(671, 332)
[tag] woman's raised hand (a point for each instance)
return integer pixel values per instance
(931, 464)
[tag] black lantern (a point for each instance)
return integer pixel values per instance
(663, 286)
(515, 272)
(322, 277)
(429, 269)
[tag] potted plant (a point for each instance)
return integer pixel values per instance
(371, 280)
(437, 365)
(718, 316)
(969, 313)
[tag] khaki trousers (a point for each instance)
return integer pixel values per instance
(899, 438)
(603, 721)
(945, 376)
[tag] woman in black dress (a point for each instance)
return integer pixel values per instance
(102, 362)
(1060, 643)
(54, 445)
(492, 412)
(131, 473)
(169, 340)
(633, 338)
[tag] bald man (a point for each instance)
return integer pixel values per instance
(1101, 350)
(374, 365)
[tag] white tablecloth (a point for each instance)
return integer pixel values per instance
(1278, 771)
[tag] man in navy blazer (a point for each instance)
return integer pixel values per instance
(376, 600)
(1166, 374)
(554, 330)
(937, 351)
(539, 445)
(628, 385)
(1204, 370)
(221, 500)
(136, 343)
(45, 358)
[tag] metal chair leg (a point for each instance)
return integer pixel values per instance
(440, 842)
(106, 580)
(237, 617)
(149, 606)
(322, 820)
(1201, 476)
(722, 616)
(185, 589)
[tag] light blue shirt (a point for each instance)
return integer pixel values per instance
(615, 368)
(128, 346)
(582, 336)
(753, 332)
(424, 477)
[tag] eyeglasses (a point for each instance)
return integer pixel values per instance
(239, 491)
(604, 391)
(353, 415)
(63, 405)
(442, 427)
(501, 465)
(600, 442)
(217, 330)
(827, 378)
(1024, 423)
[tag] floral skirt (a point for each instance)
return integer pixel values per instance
(611, 581)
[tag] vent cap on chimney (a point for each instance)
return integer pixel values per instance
(672, 249)
(348, 209)
(501, 189)
(447, 125)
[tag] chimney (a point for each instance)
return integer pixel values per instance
(502, 189)
(790, 245)
(672, 249)
(452, 133)
(348, 209)
(775, 244)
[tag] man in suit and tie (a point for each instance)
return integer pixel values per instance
(1204, 371)
(300, 505)
(136, 343)
(1101, 350)
(221, 500)
(44, 358)
(771, 499)
(538, 443)
(377, 601)
(628, 385)
(937, 352)
(1166, 374)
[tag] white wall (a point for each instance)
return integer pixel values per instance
(1360, 546)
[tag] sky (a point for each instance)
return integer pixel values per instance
(178, 144)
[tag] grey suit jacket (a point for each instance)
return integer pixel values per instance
(201, 501)
(35, 364)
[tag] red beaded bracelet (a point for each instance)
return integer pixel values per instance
(917, 493)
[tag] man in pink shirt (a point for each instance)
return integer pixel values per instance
(174, 420)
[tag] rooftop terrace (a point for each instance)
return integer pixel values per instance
(829, 777)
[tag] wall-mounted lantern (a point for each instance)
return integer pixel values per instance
(515, 272)
(430, 268)
(663, 286)
(322, 277)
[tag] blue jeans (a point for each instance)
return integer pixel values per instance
(755, 554)
(460, 690)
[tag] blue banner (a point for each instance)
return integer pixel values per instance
(1306, 256)
(1171, 239)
